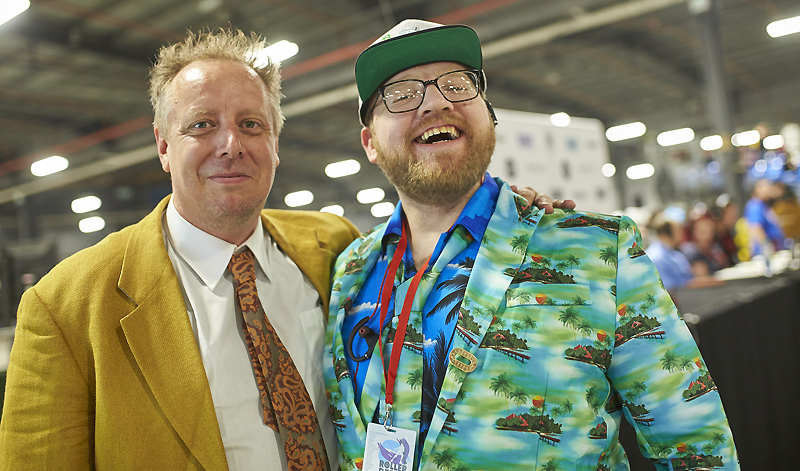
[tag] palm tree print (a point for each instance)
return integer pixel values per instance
(503, 385)
(672, 363)
(718, 440)
(551, 465)
(458, 285)
(593, 399)
(638, 388)
(415, 378)
(570, 318)
(609, 255)
(567, 407)
(528, 323)
(445, 459)
(520, 243)
(572, 262)
(519, 397)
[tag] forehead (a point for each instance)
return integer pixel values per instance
(427, 71)
(218, 76)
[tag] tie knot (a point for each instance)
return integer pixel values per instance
(243, 267)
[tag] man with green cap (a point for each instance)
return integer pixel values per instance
(522, 339)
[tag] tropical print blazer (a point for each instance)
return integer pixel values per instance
(572, 331)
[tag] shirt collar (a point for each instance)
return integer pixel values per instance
(208, 255)
(474, 217)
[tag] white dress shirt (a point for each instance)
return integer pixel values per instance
(293, 307)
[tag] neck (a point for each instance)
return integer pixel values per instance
(427, 222)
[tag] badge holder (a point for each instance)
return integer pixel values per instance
(389, 448)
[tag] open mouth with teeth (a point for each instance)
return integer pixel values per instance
(440, 134)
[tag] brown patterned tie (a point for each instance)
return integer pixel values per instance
(286, 404)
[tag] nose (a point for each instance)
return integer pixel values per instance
(434, 100)
(230, 144)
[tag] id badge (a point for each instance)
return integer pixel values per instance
(389, 450)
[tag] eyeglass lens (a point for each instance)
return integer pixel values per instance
(407, 95)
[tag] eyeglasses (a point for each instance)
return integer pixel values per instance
(408, 95)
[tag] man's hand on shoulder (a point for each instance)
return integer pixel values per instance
(542, 200)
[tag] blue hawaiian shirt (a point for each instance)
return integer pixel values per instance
(441, 309)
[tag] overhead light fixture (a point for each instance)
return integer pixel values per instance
(298, 198)
(92, 224)
(773, 142)
(370, 195)
(746, 138)
(381, 210)
(710, 143)
(609, 170)
(333, 209)
(343, 168)
(560, 119)
(277, 52)
(637, 172)
(780, 28)
(48, 166)
(86, 204)
(675, 137)
(625, 131)
(12, 8)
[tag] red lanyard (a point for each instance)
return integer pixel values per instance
(390, 374)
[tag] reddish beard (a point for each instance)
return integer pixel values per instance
(443, 178)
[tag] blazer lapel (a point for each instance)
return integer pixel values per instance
(163, 345)
(353, 429)
(506, 240)
(302, 245)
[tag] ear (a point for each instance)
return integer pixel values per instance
(277, 157)
(161, 144)
(366, 143)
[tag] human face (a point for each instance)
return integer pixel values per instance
(220, 147)
(439, 169)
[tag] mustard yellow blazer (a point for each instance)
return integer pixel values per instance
(105, 372)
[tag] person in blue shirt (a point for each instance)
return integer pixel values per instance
(765, 233)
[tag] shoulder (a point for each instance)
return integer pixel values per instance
(592, 223)
(329, 227)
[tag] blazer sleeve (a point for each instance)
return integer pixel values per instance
(48, 403)
(668, 394)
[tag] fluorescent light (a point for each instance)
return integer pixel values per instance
(625, 131)
(333, 209)
(609, 170)
(298, 198)
(560, 119)
(49, 166)
(92, 224)
(381, 210)
(675, 137)
(279, 51)
(370, 195)
(773, 142)
(85, 204)
(710, 143)
(637, 172)
(746, 138)
(343, 168)
(13, 8)
(784, 27)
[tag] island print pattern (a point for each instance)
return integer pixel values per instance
(573, 332)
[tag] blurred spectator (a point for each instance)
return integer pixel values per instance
(672, 265)
(705, 256)
(726, 218)
(765, 233)
(787, 208)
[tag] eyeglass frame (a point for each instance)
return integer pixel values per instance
(480, 81)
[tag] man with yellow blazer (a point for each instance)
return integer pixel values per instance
(114, 365)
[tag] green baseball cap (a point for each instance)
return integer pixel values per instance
(409, 44)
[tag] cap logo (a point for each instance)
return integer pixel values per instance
(411, 29)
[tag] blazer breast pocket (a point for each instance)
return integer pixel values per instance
(548, 294)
